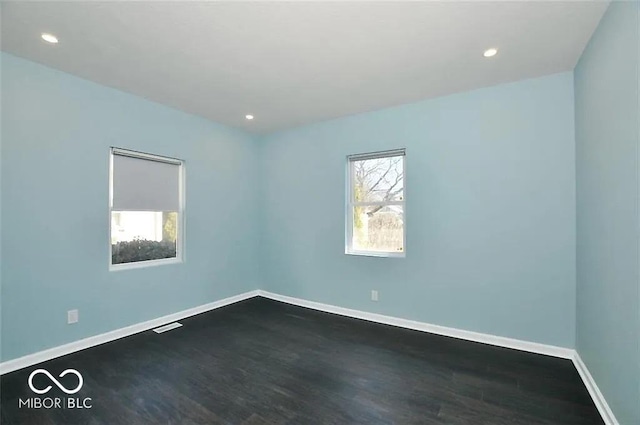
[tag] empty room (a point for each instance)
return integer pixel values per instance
(320, 212)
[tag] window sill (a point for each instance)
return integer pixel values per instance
(143, 264)
(375, 254)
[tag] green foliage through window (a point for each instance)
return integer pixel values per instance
(142, 250)
(169, 226)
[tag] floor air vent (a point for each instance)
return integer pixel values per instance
(167, 327)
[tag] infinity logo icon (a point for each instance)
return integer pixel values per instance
(55, 381)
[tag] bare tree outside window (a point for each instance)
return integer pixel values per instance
(376, 204)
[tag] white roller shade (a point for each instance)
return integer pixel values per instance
(145, 184)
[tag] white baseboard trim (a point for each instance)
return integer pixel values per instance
(516, 344)
(599, 400)
(72, 347)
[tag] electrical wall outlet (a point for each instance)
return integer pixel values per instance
(374, 295)
(72, 316)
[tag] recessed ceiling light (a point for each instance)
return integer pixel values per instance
(50, 38)
(249, 117)
(490, 52)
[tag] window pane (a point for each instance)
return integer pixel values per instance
(378, 228)
(380, 179)
(143, 235)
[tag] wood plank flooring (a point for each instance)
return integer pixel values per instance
(264, 362)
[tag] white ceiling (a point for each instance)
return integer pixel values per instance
(293, 63)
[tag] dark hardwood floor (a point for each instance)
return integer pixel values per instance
(265, 362)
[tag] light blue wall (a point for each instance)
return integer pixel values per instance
(607, 137)
(490, 212)
(56, 134)
(1, 298)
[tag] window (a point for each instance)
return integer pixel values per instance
(375, 205)
(146, 209)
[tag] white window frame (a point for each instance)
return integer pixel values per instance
(350, 204)
(180, 242)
